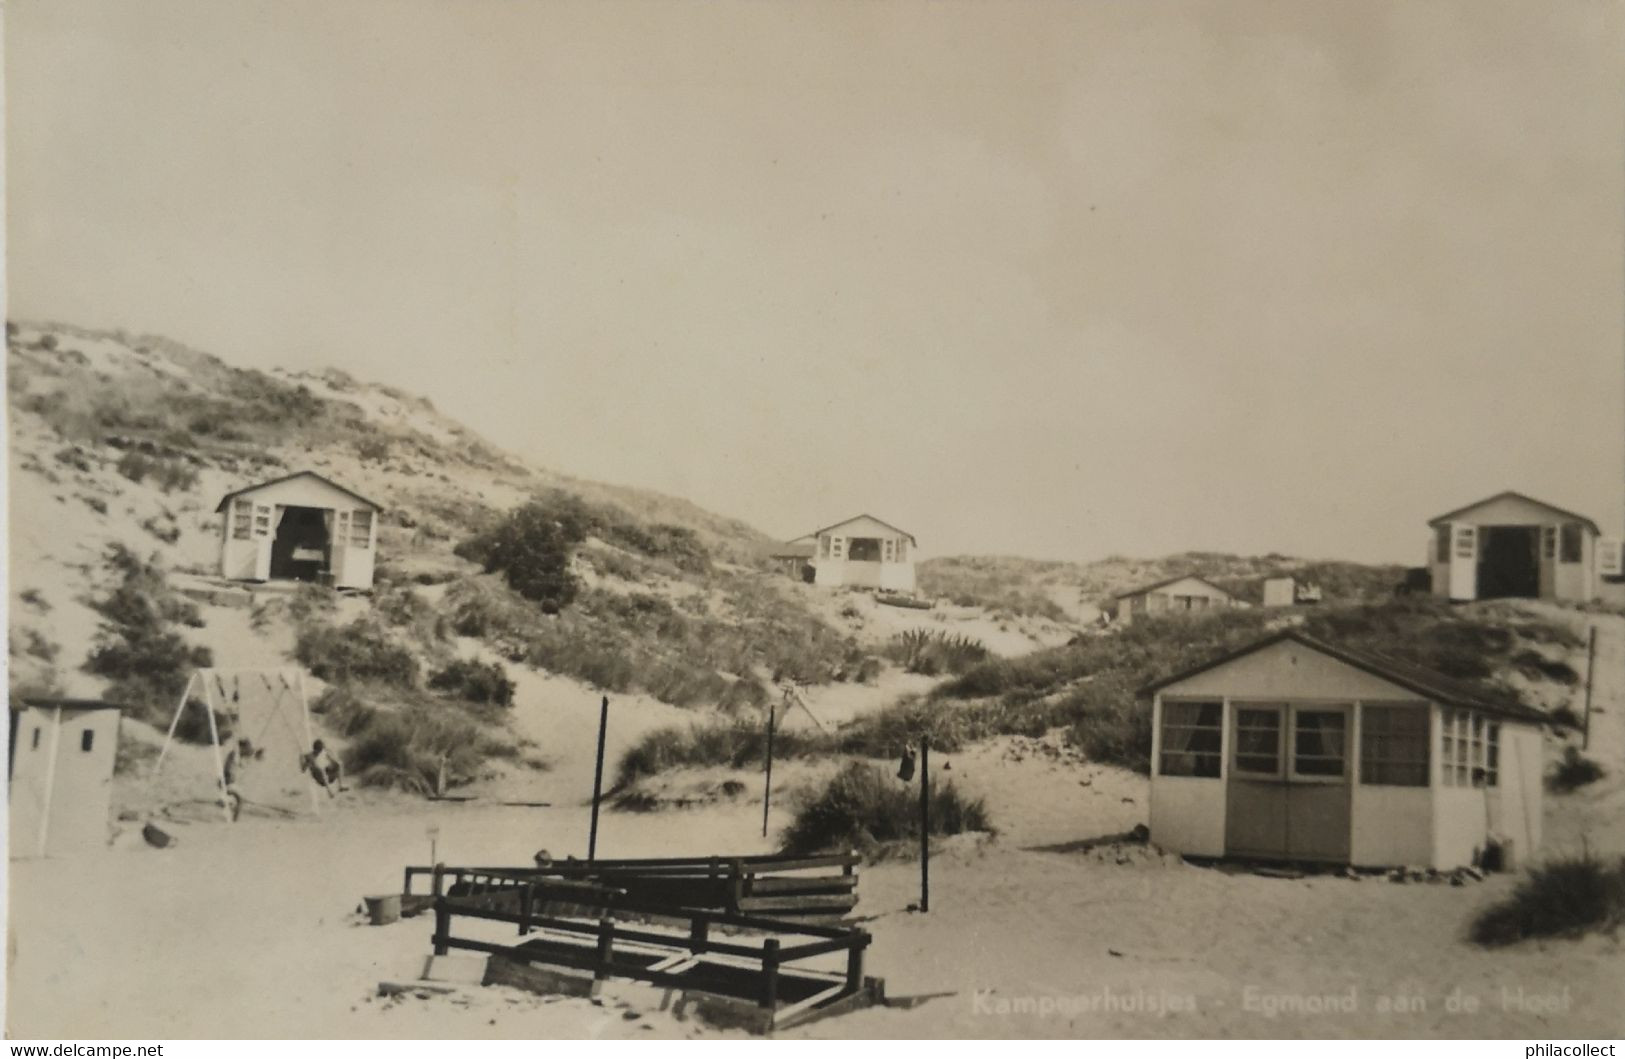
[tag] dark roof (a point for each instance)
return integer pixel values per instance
(1161, 584)
(1434, 686)
(44, 703)
(290, 477)
(1510, 494)
(854, 518)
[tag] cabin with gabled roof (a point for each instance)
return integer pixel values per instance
(1176, 595)
(301, 527)
(860, 552)
(1511, 545)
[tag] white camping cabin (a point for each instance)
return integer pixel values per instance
(1177, 595)
(863, 552)
(1512, 545)
(61, 775)
(1293, 749)
(299, 528)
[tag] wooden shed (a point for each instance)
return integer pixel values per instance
(301, 527)
(1511, 545)
(1177, 595)
(1295, 749)
(60, 775)
(863, 552)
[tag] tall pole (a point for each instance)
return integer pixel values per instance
(598, 781)
(767, 790)
(925, 823)
(1591, 666)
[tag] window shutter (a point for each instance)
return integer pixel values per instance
(1610, 557)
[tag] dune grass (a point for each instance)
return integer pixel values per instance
(863, 807)
(1567, 896)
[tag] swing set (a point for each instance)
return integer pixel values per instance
(285, 716)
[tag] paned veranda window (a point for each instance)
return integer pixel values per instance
(1394, 746)
(1192, 733)
(1469, 750)
(242, 520)
(361, 529)
(1319, 742)
(1571, 542)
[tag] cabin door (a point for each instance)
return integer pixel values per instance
(1287, 795)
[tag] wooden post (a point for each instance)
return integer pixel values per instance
(770, 974)
(526, 896)
(442, 926)
(767, 788)
(598, 781)
(1591, 666)
(854, 961)
(439, 876)
(925, 823)
(219, 763)
(699, 931)
(606, 948)
(736, 885)
(174, 723)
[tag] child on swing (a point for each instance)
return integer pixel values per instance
(324, 768)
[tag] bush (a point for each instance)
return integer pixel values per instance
(734, 745)
(169, 474)
(531, 548)
(933, 651)
(864, 808)
(475, 681)
(137, 649)
(361, 650)
(406, 748)
(1566, 896)
(1574, 772)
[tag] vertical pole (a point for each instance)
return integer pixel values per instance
(214, 737)
(174, 723)
(770, 974)
(442, 926)
(767, 790)
(854, 961)
(925, 823)
(606, 948)
(699, 929)
(526, 898)
(1591, 666)
(598, 781)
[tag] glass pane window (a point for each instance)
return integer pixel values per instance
(1258, 741)
(1320, 744)
(1192, 734)
(1447, 748)
(1466, 541)
(1441, 544)
(1394, 746)
(1572, 534)
(262, 520)
(361, 529)
(242, 520)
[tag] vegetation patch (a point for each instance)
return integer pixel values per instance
(362, 650)
(934, 651)
(475, 681)
(414, 743)
(1573, 772)
(138, 647)
(733, 745)
(1564, 897)
(864, 808)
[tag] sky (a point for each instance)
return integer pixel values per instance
(1061, 280)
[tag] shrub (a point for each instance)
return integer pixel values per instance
(475, 681)
(406, 748)
(933, 651)
(532, 547)
(1574, 772)
(734, 745)
(169, 474)
(862, 807)
(1566, 896)
(361, 650)
(137, 649)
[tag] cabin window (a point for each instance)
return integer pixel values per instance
(1394, 746)
(1466, 541)
(902, 549)
(1455, 750)
(837, 547)
(1441, 544)
(1192, 734)
(87, 739)
(1548, 542)
(1492, 754)
(361, 529)
(242, 520)
(1258, 741)
(890, 550)
(1475, 751)
(262, 520)
(1571, 542)
(1319, 742)
(34, 743)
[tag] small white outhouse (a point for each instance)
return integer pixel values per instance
(1177, 595)
(61, 775)
(1295, 749)
(863, 552)
(299, 528)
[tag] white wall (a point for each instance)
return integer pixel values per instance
(1516, 809)
(60, 793)
(250, 560)
(1187, 812)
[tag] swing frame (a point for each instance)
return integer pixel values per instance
(212, 679)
